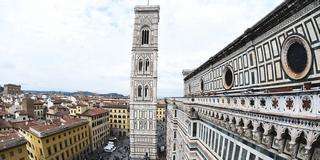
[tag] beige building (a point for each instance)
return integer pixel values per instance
(57, 111)
(64, 138)
(119, 121)
(161, 110)
(73, 110)
(82, 107)
(39, 109)
(78, 109)
(98, 123)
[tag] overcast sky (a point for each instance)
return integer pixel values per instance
(73, 45)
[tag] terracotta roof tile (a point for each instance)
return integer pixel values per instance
(42, 129)
(9, 139)
(94, 111)
(5, 124)
(3, 112)
(38, 103)
(22, 112)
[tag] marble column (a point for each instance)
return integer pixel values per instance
(256, 134)
(247, 131)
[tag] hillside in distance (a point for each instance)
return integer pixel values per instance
(84, 93)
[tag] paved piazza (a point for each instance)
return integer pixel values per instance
(121, 153)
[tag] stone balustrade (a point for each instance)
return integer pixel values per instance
(305, 105)
(288, 123)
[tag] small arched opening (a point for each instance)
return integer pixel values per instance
(139, 91)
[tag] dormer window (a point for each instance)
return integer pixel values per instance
(145, 36)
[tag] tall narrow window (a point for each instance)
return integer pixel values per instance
(146, 91)
(140, 65)
(201, 85)
(139, 91)
(147, 65)
(142, 36)
(145, 36)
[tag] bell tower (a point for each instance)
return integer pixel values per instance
(143, 95)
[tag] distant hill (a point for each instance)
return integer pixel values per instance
(85, 93)
(114, 95)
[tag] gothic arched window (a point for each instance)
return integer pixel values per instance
(139, 91)
(147, 65)
(201, 85)
(140, 65)
(146, 91)
(145, 36)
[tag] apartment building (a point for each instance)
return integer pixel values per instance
(119, 121)
(64, 138)
(98, 123)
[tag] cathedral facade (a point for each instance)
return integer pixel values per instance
(258, 98)
(143, 95)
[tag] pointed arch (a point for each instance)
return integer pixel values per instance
(201, 85)
(147, 65)
(139, 91)
(140, 65)
(146, 91)
(145, 35)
